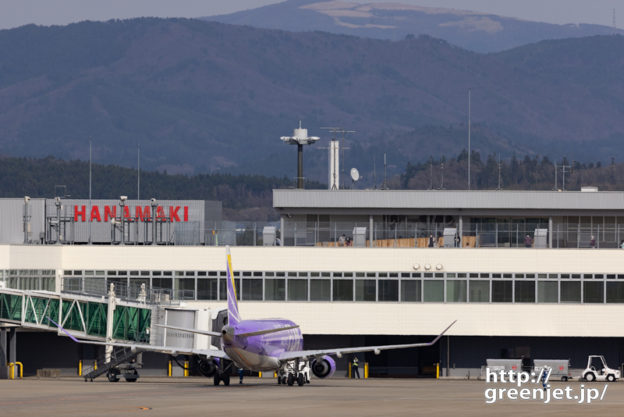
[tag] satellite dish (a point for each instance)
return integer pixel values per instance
(355, 174)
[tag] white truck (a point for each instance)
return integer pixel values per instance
(597, 370)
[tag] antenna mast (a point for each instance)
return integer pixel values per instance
(334, 155)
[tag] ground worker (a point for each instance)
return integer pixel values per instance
(545, 376)
(355, 367)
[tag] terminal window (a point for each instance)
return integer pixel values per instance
(479, 291)
(320, 290)
(365, 290)
(297, 289)
(410, 290)
(388, 290)
(343, 290)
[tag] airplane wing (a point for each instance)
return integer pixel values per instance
(216, 334)
(171, 350)
(185, 329)
(303, 354)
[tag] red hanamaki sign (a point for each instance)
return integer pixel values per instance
(143, 214)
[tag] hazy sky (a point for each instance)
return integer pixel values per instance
(48, 12)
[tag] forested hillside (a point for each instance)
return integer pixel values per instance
(528, 173)
(203, 97)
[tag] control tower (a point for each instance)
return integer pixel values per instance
(300, 137)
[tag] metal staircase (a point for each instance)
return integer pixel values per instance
(122, 362)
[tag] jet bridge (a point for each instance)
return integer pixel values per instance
(85, 316)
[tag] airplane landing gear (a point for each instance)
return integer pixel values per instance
(222, 374)
(295, 371)
(218, 377)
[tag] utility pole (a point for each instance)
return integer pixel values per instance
(374, 173)
(442, 174)
(469, 152)
(138, 172)
(556, 182)
(385, 184)
(564, 169)
(499, 171)
(431, 172)
(89, 214)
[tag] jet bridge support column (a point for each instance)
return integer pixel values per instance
(12, 344)
(4, 371)
(109, 321)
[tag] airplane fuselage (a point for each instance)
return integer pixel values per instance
(260, 353)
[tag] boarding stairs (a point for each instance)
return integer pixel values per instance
(122, 362)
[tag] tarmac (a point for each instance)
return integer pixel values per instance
(181, 397)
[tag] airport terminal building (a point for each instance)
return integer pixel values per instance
(558, 297)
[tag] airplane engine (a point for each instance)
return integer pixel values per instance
(207, 367)
(324, 367)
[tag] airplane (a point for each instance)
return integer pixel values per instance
(258, 345)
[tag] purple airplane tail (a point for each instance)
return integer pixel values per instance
(233, 315)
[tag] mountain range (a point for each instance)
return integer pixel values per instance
(476, 31)
(210, 97)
